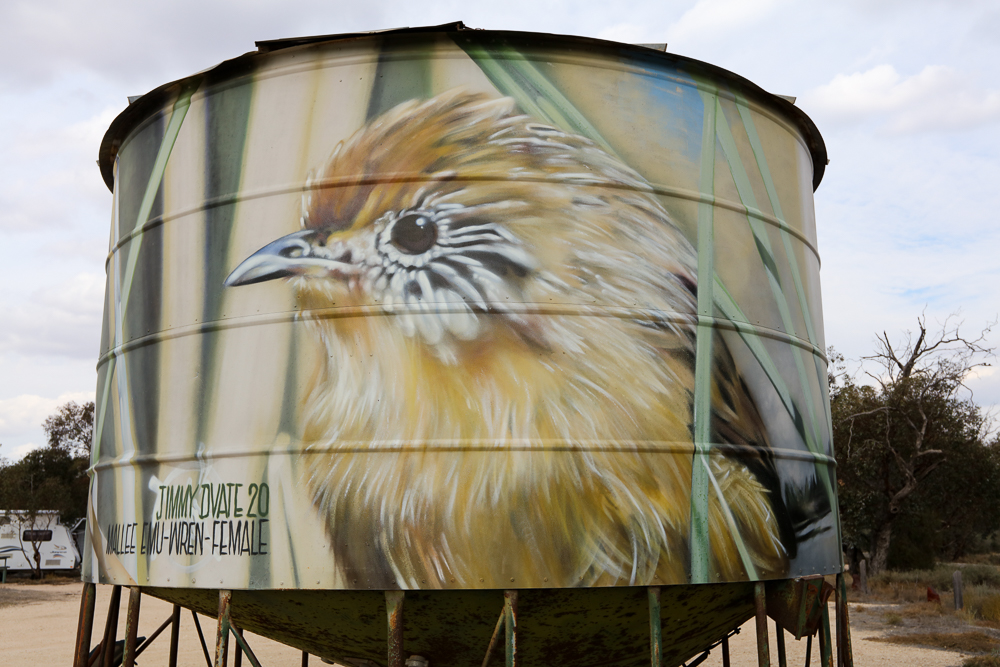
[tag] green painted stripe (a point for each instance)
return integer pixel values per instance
(759, 231)
(517, 77)
(152, 187)
(772, 193)
(700, 546)
(734, 529)
(96, 447)
(149, 197)
(727, 304)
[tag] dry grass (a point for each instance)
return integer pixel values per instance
(982, 661)
(50, 578)
(923, 610)
(967, 642)
(892, 618)
(10, 596)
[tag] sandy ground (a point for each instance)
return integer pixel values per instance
(864, 626)
(38, 627)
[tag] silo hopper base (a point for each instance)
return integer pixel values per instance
(580, 627)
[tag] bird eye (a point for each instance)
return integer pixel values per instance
(414, 234)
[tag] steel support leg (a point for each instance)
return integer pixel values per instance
(85, 626)
(394, 614)
(495, 639)
(825, 649)
(760, 604)
(809, 649)
(510, 616)
(238, 658)
(779, 635)
(244, 647)
(222, 634)
(131, 626)
(111, 629)
(175, 635)
(655, 627)
(725, 652)
(845, 653)
(305, 659)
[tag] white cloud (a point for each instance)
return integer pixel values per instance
(27, 412)
(715, 18)
(630, 33)
(18, 452)
(63, 318)
(937, 98)
(50, 177)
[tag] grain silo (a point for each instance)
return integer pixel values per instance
(425, 341)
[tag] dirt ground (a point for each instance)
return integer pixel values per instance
(38, 626)
(867, 623)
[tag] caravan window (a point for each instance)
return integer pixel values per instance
(37, 536)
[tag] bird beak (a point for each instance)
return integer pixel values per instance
(301, 253)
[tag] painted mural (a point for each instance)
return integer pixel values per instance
(436, 313)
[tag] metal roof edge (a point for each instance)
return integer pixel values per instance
(134, 113)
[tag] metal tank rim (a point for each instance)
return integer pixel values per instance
(147, 104)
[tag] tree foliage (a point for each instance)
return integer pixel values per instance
(912, 451)
(52, 477)
(71, 428)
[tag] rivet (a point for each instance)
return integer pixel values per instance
(481, 580)
(512, 578)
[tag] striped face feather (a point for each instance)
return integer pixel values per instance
(445, 264)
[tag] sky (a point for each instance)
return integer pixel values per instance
(905, 92)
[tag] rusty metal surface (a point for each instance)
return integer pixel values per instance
(825, 642)
(845, 652)
(394, 620)
(85, 627)
(795, 604)
(760, 609)
(655, 627)
(495, 639)
(222, 634)
(132, 625)
(510, 627)
(111, 628)
(607, 627)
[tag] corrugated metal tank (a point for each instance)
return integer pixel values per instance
(456, 311)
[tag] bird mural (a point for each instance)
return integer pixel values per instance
(507, 316)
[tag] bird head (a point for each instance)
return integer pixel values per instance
(448, 210)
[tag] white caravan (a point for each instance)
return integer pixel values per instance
(55, 544)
